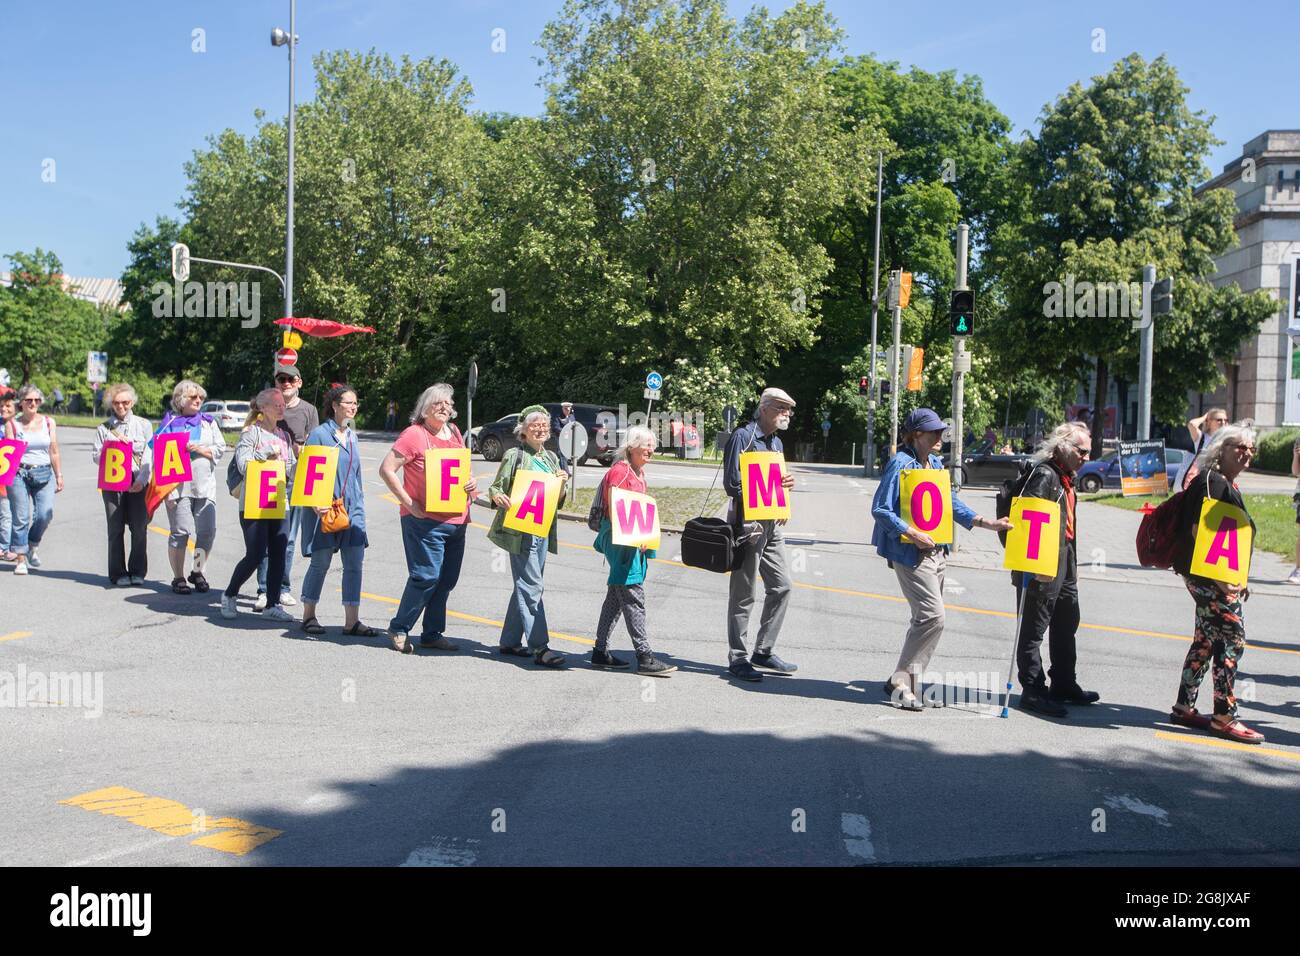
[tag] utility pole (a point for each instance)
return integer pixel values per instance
(873, 397)
(895, 281)
(280, 38)
(960, 362)
(1146, 341)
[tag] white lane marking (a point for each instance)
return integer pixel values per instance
(857, 836)
(443, 851)
(1134, 805)
(954, 587)
(116, 854)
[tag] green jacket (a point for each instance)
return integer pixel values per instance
(507, 538)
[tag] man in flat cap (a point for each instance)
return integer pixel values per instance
(764, 555)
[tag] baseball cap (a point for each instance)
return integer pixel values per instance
(287, 370)
(923, 420)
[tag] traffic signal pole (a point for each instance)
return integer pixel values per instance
(895, 279)
(1146, 342)
(958, 373)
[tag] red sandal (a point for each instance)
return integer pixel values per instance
(1236, 730)
(1190, 718)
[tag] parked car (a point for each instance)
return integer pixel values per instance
(600, 421)
(1105, 471)
(983, 465)
(494, 438)
(228, 415)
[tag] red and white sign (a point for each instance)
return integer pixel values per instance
(286, 357)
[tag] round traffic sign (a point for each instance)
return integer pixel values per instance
(573, 440)
(286, 357)
(654, 380)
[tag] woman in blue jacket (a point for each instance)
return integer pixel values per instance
(919, 565)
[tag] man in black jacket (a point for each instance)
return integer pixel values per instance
(1051, 605)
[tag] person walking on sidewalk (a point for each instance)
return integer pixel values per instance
(764, 554)
(300, 420)
(627, 565)
(918, 562)
(526, 615)
(1220, 632)
(1051, 605)
(126, 510)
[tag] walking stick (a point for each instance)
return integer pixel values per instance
(1015, 643)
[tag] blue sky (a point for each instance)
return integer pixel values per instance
(114, 94)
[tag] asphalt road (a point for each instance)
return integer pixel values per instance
(213, 742)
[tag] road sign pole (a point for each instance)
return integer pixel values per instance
(895, 278)
(958, 373)
(1147, 342)
(873, 392)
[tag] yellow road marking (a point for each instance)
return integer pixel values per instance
(483, 620)
(1227, 745)
(189, 545)
(168, 817)
(14, 635)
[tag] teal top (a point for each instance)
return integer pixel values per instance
(627, 566)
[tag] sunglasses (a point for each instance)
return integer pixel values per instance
(32, 401)
(281, 380)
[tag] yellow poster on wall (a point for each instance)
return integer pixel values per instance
(534, 499)
(1034, 541)
(763, 497)
(925, 502)
(1223, 541)
(264, 489)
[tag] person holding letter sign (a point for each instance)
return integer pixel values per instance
(526, 615)
(334, 440)
(763, 554)
(9, 458)
(121, 449)
(433, 535)
(1215, 541)
(914, 509)
(627, 563)
(39, 478)
(191, 505)
(1050, 604)
(264, 440)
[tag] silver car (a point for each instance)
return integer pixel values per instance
(229, 415)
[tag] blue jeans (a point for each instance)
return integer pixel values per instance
(32, 499)
(6, 523)
(434, 553)
(314, 579)
(526, 616)
(293, 525)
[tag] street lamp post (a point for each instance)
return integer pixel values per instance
(290, 39)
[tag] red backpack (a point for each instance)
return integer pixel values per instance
(1157, 536)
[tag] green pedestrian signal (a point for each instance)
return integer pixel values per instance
(962, 312)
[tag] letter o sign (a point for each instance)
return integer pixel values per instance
(927, 519)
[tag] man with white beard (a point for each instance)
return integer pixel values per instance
(764, 554)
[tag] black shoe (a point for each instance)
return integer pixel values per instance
(1041, 703)
(742, 669)
(606, 659)
(653, 668)
(773, 663)
(1074, 695)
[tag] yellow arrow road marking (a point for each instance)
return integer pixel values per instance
(227, 834)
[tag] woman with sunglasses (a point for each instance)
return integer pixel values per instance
(39, 478)
(318, 544)
(192, 506)
(6, 512)
(434, 541)
(126, 510)
(1219, 637)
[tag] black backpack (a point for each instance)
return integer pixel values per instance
(1012, 488)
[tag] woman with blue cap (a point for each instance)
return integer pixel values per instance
(917, 561)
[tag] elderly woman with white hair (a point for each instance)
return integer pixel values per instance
(1219, 638)
(434, 541)
(627, 565)
(191, 506)
(39, 478)
(126, 509)
(526, 616)
(1050, 605)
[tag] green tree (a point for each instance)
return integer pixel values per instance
(43, 328)
(1111, 177)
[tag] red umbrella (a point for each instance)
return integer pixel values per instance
(322, 328)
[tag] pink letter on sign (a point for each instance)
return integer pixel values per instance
(922, 491)
(266, 488)
(1224, 544)
(534, 503)
(633, 520)
(449, 479)
(1036, 521)
(765, 492)
(315, 473)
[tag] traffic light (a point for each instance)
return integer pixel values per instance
(962, 312)
(1162, 296)
(884, 387)
(864, 386)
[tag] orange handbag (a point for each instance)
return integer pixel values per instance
(336, 519)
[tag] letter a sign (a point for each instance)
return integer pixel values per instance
(1034, 541)
(925, 501)
(1223, 540)
(172, 463)
(762, 495)
(534, 499)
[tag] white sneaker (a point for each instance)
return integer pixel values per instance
(1295, 577)
(260, 603)
(228, 609)
(277, 613)
(20, 567)
(123, 582)
(136, 580)
(287, 599)
(32, 559)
